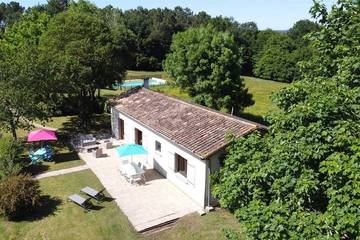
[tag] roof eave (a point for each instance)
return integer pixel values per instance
(208, 155)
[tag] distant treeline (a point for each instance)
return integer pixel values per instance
(267, 54)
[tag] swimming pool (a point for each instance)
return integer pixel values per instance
(138, 83)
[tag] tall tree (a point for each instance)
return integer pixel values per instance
(83, 54)
(244, 35)
(23, 90)
(300, 29)
(207, 63)
(154, 29)
(301, 179)
(10, 13)
(20, 90)
(56, 6)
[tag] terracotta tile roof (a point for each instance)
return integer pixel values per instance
(198, 129)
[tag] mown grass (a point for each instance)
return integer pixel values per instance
(59, 219)
(262, 91)
(144, 74)
(194, 226)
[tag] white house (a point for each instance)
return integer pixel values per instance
(185, 141)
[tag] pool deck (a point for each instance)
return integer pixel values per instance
(146, 206)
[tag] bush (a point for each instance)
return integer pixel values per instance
(10, 160)
(19, 194)
(230, 234)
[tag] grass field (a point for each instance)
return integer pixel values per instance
(209, 227)
(144, 74)
(262, 91)
(59, 219)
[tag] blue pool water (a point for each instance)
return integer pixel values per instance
(138, 83)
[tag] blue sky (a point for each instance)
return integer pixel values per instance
(275, 14)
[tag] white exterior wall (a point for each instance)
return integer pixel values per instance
(194, 185)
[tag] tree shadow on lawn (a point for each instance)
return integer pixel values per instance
(100, 123)
(36, 169)
(57, 158)
(254, 118)
(47, 207)
(65, 157)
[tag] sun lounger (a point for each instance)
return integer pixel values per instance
(98, 195)
(82, 202)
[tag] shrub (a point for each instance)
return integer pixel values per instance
(19, 194)
(10, 160)
(230, 234)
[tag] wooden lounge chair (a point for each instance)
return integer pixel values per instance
(98, 195)
(82, 202)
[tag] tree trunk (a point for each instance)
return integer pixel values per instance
(13, 129)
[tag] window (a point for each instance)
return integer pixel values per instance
(121, 128)
(180, 165)
(138, 136)
(157, 146)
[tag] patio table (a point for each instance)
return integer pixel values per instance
(138, 170)
(133, 171)
(40, 153)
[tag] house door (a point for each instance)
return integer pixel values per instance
(138, 136)
(121, 128)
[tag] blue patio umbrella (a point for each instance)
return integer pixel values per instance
(131, 150)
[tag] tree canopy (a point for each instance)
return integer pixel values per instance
(10, 13)
(150, 33)
(207, 63)
(84, 53)
(301, 179)
(278, 55)
(23, 88)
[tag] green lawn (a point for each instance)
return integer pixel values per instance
(68, 126)
(261, 91)
(194, 226)
(59, 219)
(144, 74)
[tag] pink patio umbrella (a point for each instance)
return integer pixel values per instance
(41, 135)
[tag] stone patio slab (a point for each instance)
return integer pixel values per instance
(146, 206)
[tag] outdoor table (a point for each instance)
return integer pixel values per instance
(138, 170)
(40, 152)
(133, 171)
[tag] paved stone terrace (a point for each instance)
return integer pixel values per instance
(146, 206)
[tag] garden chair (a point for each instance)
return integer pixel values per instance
(98, 153)
(108, 145)
(98, 195)
(82, 202)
